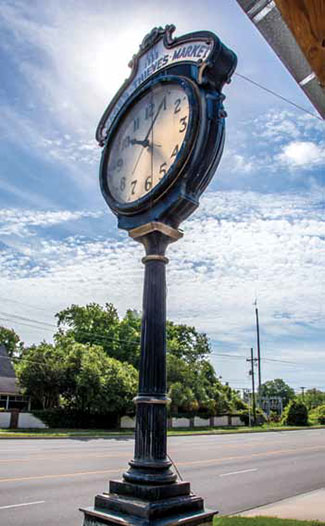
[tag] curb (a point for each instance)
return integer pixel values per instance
(180, 434)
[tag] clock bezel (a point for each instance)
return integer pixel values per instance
(181, 161)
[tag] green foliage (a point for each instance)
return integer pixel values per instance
(78, 377)
(91, 324)
(295, 414)
(274, 417)
(91, 368)
(10, 339)
(62, 418)
(317, 415)
(194, 388)
(278, 387)
(262, 521)
(41, 374)
(312, 398)
(186, 342)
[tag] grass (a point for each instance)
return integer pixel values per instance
(262, 521)
(98, 433)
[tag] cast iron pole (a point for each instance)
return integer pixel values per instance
(149, 494)
(150, 463)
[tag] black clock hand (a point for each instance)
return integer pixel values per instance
(144, 143)
(148, 133)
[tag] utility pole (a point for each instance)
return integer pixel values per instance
(252, 360)
(303, 392)
(258, 350)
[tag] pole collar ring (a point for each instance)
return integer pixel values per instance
(155, 257)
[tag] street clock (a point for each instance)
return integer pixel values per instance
(162, 138)
(163, 132)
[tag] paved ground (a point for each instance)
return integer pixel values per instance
(308, 506)
(43, 482)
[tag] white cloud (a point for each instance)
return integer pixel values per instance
(304, 154)
(21, 222)
(253, 244)
(236, 246)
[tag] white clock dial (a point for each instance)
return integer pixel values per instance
(147, 142)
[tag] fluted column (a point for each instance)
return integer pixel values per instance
(150, 464)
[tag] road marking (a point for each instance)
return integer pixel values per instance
(238, 457)
(60, 475)
(237, 472)
(190, 463)
(15, 460)
(73, 456)
(23, 504)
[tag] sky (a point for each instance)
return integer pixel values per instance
(257, 235)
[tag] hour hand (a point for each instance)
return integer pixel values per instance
(145, 143)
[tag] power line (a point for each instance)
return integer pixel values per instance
(24, 304)
(28, 319)
(278, 96)
(122, 340)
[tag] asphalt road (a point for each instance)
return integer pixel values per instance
(44, 482)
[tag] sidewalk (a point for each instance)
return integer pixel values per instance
(308, 506)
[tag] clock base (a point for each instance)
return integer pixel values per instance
(140, 505)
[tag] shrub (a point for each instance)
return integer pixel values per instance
(295, 414)
(274, 417)
(317, 415)
(67, 418)
(245, 414)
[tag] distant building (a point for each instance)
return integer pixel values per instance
(10, 396)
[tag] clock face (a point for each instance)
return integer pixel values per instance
(147, 142)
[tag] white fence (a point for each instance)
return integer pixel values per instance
(128, 422)
(25, 420)
(5, 420)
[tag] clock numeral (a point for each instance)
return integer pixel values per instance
(126, 142)
(175, 151)
(177, 105)
(136, 124)
(148, 183)
(164, 103)
(122, 184)
(162, 170)
(149, 111)
(119, 164)
(133, 185)
(183, 123)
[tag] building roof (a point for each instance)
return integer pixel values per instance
(296, 32)
(8, 381)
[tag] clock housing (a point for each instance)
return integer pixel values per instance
(169, 159)
(137, 187)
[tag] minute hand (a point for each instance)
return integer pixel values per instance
(154, 119)
(148, 133)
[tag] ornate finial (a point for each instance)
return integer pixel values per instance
(151, 38)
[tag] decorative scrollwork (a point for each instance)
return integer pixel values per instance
(151, 38)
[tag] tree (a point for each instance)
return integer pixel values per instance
(41, 374)
(120, 338)
(91, 324)
(317, 415)
(295, 414)
(279, 388)
(186, 342)
(95, 382)
(10, 339)
(77, 376)
(129, 335)
(312, 398)
(195, 387)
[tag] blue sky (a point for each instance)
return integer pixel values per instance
(259, 230)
